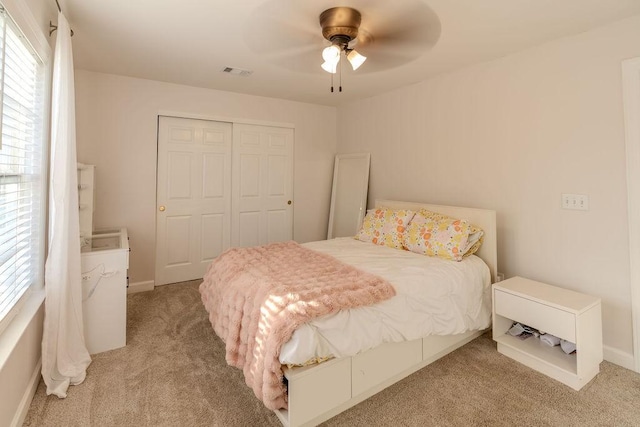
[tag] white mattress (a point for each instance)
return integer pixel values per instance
(433, 297)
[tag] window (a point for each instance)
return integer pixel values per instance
(21, 187)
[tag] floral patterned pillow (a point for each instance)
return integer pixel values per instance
(476, 237)
(386, 227)
(434, 234)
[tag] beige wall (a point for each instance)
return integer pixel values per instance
(43, 11)
(20, 352)
(117, 131)
(512, 135)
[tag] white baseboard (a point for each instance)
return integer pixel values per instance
(140, 287)
(27, 397)
(618, 357)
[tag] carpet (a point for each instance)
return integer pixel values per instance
(173, 372)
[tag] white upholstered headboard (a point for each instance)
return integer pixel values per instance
(483, 218)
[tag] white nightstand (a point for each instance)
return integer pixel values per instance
(569, 315)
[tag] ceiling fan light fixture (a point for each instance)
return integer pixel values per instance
(331, 54)
(355, 59)
(340, 27)
(330, 67)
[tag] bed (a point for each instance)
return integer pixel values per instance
(319, 391)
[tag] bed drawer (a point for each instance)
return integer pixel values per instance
(316, 389)
(535, 314)
(367, 370)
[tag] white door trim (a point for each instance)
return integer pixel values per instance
(213, 118)
(631, 98)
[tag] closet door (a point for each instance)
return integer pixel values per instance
(193, 222)
(262, 185)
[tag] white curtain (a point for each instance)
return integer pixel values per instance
(64, 355)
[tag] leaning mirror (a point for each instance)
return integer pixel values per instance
(349, 194)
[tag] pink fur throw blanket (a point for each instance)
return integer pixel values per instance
(256, 297)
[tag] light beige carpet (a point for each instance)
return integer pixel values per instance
(173, 373)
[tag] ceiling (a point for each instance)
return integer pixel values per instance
(189, 42)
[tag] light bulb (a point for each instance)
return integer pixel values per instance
(331, 54)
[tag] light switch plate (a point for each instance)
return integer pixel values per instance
(578, 202)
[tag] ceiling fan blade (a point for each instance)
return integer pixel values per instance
(274, 34)
(287, 33)
(383, 61)
(304, 61)
(412, 31)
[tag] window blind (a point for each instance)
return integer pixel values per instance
(21, 89)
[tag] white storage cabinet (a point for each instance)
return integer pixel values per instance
(569, 315)
(104, 290)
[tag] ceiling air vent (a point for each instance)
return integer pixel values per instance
(237, 71)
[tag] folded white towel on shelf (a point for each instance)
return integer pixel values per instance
(567, 346)
(550, 339)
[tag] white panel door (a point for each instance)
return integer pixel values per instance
(262, 210)
(193, 222)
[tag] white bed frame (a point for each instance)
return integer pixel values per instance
(319, 392)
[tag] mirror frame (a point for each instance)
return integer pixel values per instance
(361, 193)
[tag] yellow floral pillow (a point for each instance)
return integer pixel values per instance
(385, 227)
(434, 234)
(476, 237)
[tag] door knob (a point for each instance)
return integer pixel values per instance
(161, 208)
(289, 202)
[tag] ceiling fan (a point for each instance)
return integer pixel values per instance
(386, 34)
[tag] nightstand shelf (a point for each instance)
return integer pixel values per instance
(538, 350)
(566, 314)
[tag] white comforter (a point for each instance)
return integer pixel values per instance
(433, 297)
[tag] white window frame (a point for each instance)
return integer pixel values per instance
(34, 35)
